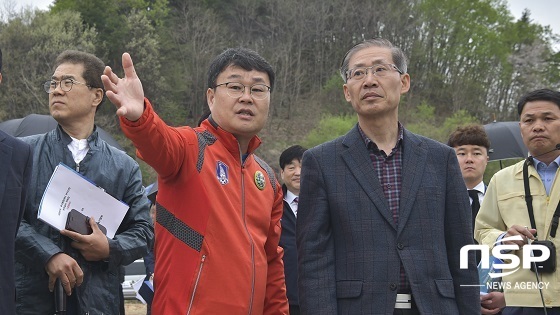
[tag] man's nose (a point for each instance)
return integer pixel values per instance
(246, 96)
(538, 126)
(58, 88)
(370, 78)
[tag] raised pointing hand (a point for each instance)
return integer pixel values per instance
(126, 93)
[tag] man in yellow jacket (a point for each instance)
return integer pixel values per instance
(504, 217)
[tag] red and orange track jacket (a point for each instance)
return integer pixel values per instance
(218, 221)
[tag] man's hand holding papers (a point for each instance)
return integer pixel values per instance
(68, 190)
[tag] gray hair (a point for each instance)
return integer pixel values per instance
(399, 58)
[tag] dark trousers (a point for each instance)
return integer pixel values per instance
(510, 310)
(121, 300)
(71, 304)
(400, 311)
(294, 309)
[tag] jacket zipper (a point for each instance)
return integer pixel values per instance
(248, 234)
(196, 283)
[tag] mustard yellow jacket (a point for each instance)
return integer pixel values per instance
(503, 206)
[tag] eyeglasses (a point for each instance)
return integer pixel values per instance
(65, 85)
(379, 70)
(236, 89)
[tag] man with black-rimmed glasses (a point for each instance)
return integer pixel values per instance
(218, 204)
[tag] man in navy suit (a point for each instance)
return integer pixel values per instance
(383, 212)
(15, 173)
(290, 172)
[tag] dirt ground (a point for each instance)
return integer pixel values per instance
(134, 307)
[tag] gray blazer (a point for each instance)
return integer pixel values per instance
(15, 174)
(349, 248)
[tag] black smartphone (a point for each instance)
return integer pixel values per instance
(79, 223)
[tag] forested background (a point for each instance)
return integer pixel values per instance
(470, 60)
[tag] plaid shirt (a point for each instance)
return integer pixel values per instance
(389, 173)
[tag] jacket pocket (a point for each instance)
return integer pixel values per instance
(346, 289)
(195, 288)
(445, 288)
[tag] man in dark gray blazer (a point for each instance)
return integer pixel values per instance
(383, 212)
(15, 173)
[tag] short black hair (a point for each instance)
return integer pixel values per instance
(294, 152)
(538, 95)
(93, 67)
(469, 135)
(241, 57)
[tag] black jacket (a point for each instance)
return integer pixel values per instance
(288, 243)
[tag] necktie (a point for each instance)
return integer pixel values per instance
(475, 206)
(296, 200)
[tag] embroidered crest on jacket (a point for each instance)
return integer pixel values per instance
(222, 172)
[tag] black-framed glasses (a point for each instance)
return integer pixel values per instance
(378, 70)
(235, 89)
(65, 85)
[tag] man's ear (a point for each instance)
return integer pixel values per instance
(98, 96)
(210, 97)
(405, 81)
(346, 92)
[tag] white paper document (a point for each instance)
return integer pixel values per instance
(67, 190)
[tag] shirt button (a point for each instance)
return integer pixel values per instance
(400, 246)
(393, 286)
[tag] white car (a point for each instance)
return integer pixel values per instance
(132, 274)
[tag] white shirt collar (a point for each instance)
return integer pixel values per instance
(481, 188)
(79, 149)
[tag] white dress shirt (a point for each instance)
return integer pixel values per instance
(289, 197)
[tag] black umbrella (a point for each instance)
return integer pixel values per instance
(505, 141)
(36, 124)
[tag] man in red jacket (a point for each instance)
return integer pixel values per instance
(218, 205)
